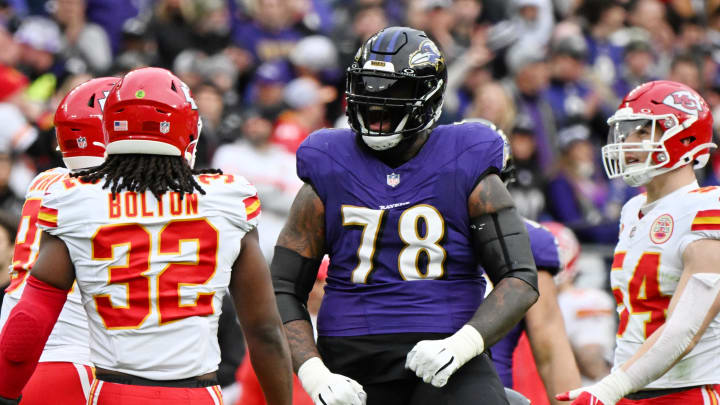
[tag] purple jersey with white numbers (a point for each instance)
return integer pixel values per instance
(547, 258)
(399, 238)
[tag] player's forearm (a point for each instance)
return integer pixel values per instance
(557, 368)
(550, 346)
(692, 308)
(697, 305)
(302, 342)
(502, 309)
(591, 361)
(270, 357)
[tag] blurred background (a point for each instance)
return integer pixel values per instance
(266, 73)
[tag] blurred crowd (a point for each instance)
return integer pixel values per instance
(266, 73)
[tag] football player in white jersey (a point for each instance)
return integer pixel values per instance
(153, 245)
(65, 360)
(665, 273)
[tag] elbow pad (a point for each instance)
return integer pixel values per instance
(293, 277)
(502, 246)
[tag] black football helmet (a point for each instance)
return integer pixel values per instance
(395, 87)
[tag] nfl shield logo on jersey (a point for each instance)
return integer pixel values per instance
(82, 142)
(393, 179)
(164, 127)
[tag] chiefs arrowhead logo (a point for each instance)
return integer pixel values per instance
(684, 101)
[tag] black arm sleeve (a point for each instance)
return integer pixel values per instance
(502, 245)
(293, 276)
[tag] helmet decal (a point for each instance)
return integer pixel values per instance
(427, 54)
(684, 101)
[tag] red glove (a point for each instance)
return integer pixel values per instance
(585, 398)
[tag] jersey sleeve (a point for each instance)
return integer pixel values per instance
(544, 248)
(705, 222)
(55, 213)
(238, 201)
(481, 151)
(312, 162)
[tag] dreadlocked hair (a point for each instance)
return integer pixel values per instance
(139, 172)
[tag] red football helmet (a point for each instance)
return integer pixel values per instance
(568, 248)
(684, 136)
(151, 111)
(78, 124)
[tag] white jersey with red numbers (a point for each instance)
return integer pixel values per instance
(646, 270)
(153, 273)
(68, 341)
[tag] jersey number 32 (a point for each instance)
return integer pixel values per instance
(139, 299)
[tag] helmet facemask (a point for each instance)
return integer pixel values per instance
(385, 107)
(634, 150)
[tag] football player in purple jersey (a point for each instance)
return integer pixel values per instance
(410, 213)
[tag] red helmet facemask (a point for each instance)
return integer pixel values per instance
(151, 111)
(678, 122)
(79, 126)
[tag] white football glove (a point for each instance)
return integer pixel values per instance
(436, 360)
(327, 388)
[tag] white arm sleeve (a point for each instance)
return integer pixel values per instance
(675, 338)
(683, 325)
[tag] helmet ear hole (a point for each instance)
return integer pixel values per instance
(91, 101)
(172, 86)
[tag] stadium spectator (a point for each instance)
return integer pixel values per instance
(267, 34)
(86, 45)
(493, 103)
(637, 67)
(527, 189)
(569, 94)
(685, 69)
(576, 192)
(530, 79)
(307, 101)
(269, 167)
(603, 18)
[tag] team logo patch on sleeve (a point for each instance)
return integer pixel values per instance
(661, 229)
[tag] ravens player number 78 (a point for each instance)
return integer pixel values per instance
(406, 210)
